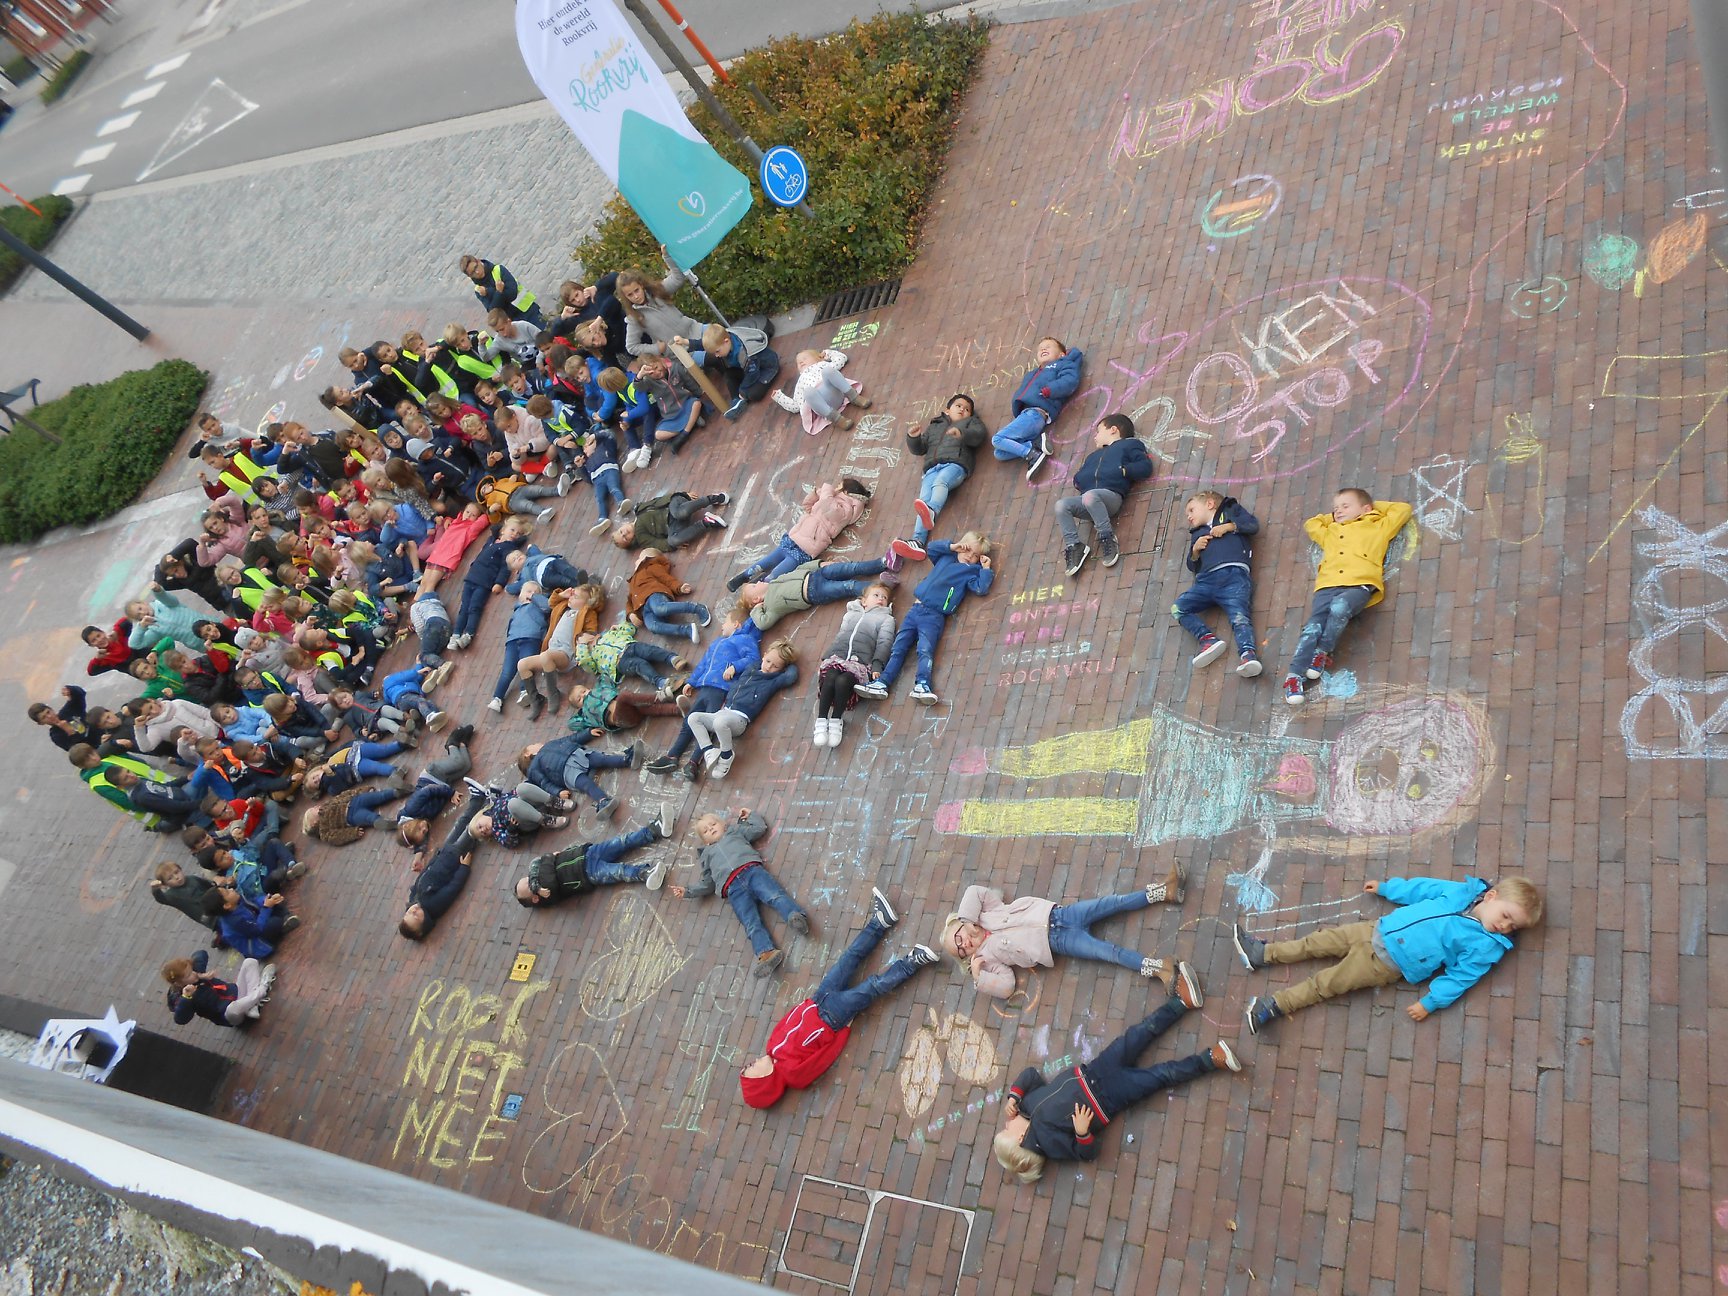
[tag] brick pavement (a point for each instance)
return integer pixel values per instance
(1512, 338)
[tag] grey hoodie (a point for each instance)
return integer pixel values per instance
(735, 849)
(661, 322)
(866, 635)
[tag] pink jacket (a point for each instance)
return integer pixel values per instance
(1019, 937)
(828, 511)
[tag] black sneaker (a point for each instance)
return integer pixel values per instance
(1074, 557)
(460, 736)
(1036, 459)
(1250, 947)
(924, 956)
(1261, 1013)
(738, 582)
(1109, 551)
(661, 765)
(881, 912)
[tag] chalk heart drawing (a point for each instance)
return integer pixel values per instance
(968, 1048)
(1401, 768)
(601, 1113)
(1678, 714)
(1611, 261)
(637, 957)
(1540, 296)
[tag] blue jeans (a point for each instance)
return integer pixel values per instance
(514, 651)
(646, 661)
(922, 625)
(757, 886)
(1119, 1083)
(640, 432)
(785, 556)
(577, 779)
(207, 779)
(1332, 610)
(474, 596)
(1230, 588)
(561, 573)
(1070, 932)
(608, 494)
(363, 809)
(708, 698)
(1014, 439)
(838, 1001)
(832, 582)
(658, 608)
(935, 487)
(434, 639)
(605, 862)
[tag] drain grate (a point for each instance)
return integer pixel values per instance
(855, 301)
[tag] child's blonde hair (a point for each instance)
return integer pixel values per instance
(1025, 1165)
(783, 649)
(454, 335)
(978, 540)
(1208, 497)
(593, 595)
(576, 369)
(343, 601)
(1522, 892)
(713, 337)
(807, 358)
(612, 379)
(471, 423)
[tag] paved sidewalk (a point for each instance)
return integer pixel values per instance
(1465, 258)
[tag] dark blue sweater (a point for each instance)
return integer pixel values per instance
(1232, 547)
(751, 690)
(1116, 467)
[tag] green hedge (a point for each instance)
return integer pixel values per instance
(64, 76)
(115, 436)
(872, 110)
(37, 231)
(17, 69)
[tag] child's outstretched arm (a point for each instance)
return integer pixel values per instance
(752, 825)
(1471, 966)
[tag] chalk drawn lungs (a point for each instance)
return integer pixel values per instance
(1681, 597)
(967, 1048)
(1400, 767)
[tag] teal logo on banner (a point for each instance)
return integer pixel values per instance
(687, 195)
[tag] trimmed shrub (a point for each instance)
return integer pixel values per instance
(872, 109)
(17, 69)
(37, 231)
(64, 76)
(115, 436)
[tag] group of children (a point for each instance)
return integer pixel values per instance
(318, 553)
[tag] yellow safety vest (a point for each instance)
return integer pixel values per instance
(524, 298)
(249, 472)
(447, 387)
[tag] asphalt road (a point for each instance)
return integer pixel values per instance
(259, 81)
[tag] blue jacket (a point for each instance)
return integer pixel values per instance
(1433, 930)
(529, 620)
(427, 800)
(250, 724)
(438, 885)
(751, 690)
(548, 768)
(950, 580)
(1224, 549)
(1048, 387)
(741, 650)
(243, 928)
(1116, 467)
(488, 568)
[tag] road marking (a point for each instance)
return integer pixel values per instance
(218, 108)
(93, 155)
(137, 97)
(167, 65)
(206, 18)
(71, 185)
(114, 125)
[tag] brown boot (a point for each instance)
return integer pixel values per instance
(844, 422)
(1170, 890)
(862, 401)
(767, 961)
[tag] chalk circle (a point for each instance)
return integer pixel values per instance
(272, 415)
(1536, 297)
(1407, 767)
(307, 363)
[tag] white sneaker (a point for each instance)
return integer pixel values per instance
(836, 727)
(439, 674)
(710, 758)
(543, 516)
(645, 457)
(565, 479)
(657, 874)
(922, 693)
(601, 527)
(495, 706)
(627, 464)
(722, 767)
(522, 698)
(820, 735)
(1210, 653)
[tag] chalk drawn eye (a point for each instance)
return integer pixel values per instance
(1417, 790)
(1429, 751)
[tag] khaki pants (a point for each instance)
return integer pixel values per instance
(1358, 966)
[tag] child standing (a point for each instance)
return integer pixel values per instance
(857, 656)
(729, 854)
(1353, 540)
(1218, 552)
(949, 444)
(960, 569)
(821, 391)
(1037, 401)
(1457, 929)
(828, 510)
(1103, 480)
(717, 731)
(807, 1041)
(1052, 1121)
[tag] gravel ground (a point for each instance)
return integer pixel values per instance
(62, 1239)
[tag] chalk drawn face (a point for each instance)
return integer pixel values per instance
(1404, 768)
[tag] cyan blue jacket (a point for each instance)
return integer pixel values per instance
(1232, 547)
(740, 650)
(1049, 386)
(600, 404)
(488, 568)
(950, 580)
(1116, 467)
(751, 690)
(250, 724)
(529, 620)
(1433, 929)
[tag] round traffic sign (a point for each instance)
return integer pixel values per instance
(785, 177)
